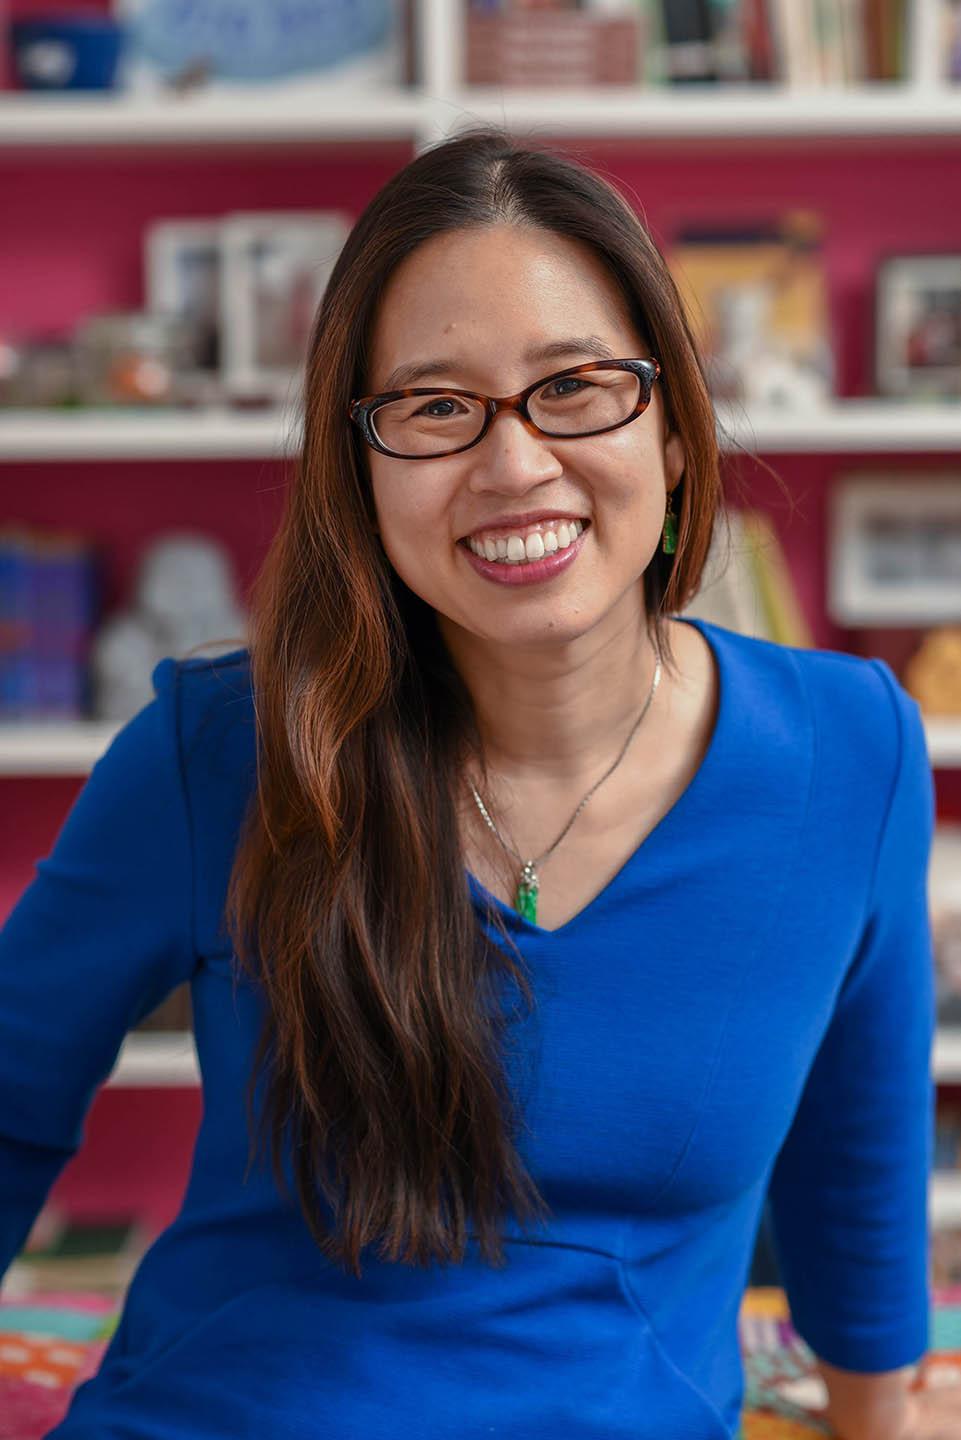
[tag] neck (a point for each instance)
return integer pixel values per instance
(557, 711)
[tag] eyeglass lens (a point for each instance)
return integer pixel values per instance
(567, 405)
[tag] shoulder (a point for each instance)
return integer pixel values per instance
(861, 721)
(210, 699)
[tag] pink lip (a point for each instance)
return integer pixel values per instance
(531, 571)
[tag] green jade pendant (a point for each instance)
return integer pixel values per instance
(526, 901)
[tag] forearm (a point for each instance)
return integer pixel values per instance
(868, 1407)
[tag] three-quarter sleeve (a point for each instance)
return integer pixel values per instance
(98, 938)
(849, 1189)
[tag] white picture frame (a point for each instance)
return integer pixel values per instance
(275, 268)
(917, 351)
(894, 550)
(182, 264)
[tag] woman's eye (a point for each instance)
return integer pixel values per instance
(571, 380)
(435, 408)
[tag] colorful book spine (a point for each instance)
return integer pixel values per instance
(48, 606)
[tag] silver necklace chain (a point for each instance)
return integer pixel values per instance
(530, 866)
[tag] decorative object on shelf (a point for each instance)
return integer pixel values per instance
(182, 274)
(66, 52)
(933, 673)
(917, 348)
(757, 301)
(223, 42)
(38, 372)
(135, 359)
(48, 608)
(944, 905)
(951, 39)
(839, 44)
(184, 600)
(555, 45)
(747, 584)
(894, 550)
(274, 272)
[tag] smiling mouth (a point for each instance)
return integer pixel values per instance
(531, 542)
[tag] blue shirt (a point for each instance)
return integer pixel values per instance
(749, 1003)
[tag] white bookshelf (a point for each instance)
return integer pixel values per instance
(946, 1060)
(157, 1059)
(47, 748)
(221, 434)
(316, 115)
(868, 426)
(167, 1058)
(944, 1197)
(301, 110)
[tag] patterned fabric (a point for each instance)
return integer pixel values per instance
(782, 1386)
(50, 1343)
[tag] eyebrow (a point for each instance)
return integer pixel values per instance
(409, 374)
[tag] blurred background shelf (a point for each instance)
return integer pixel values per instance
(299, 114)
(945, 1200)
(866, 426)
(111, 434)
(162, 1059)
(49, 748)
(729, 111)
(260, 114)
(169, 1058)
(947, 1055)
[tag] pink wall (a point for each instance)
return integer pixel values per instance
(71, 244)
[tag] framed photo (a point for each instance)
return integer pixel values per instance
(274, 272)
(895, 550)
(182, 264)
(918, 327)
(757, 301)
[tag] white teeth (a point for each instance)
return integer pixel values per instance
(515, 549)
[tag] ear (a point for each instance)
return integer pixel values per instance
(674, 459)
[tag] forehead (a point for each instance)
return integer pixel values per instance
(473, 295)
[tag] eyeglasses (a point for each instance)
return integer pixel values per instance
(421, 424)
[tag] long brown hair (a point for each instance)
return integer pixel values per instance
(384, 1037)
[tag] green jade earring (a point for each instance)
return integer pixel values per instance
(669, 542)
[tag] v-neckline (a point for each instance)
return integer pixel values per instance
(701, 777)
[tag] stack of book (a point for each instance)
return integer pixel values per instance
(48, 605)
(66, 1253)
(676, 42)
(747, 584)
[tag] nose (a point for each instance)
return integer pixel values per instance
(512, 457)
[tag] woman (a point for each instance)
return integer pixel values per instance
(560, 928)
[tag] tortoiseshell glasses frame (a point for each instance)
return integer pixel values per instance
(361, 411)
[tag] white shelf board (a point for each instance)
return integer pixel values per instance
(308, 111)
(157, 1059)
(944, 1195)
(261, 114)
(845, 425)
(944, 743)
(147, 435)
(723, 111)
(874, 425)
(48, 748)
(169, 1058)
(946, 1058)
